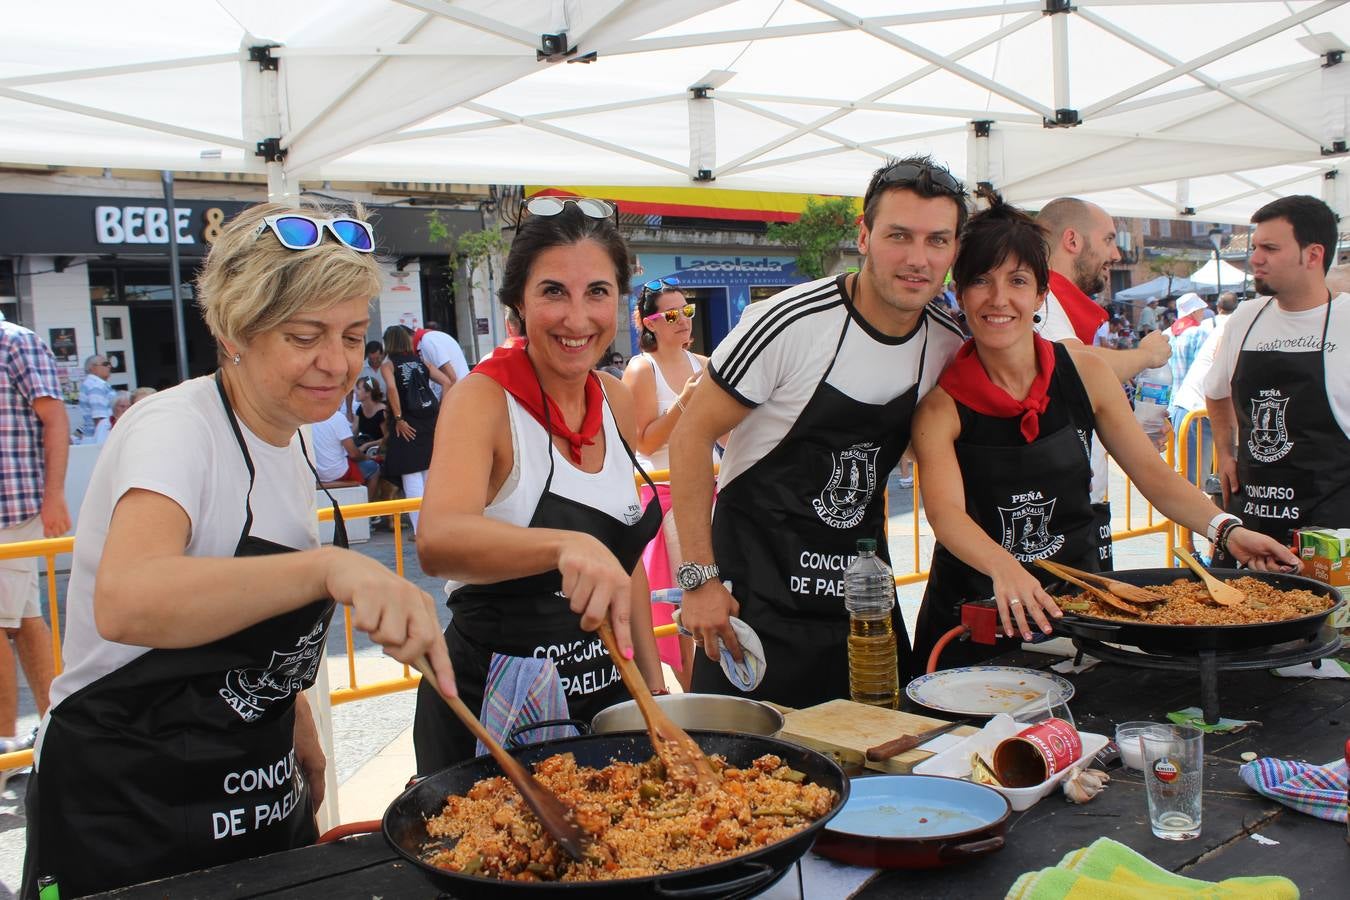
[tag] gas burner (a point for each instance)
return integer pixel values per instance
(1209, 663)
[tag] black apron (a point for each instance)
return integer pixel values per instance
(1291, 454)
(1034, 499)
(785, 530)
(529, 617)
(182, 759)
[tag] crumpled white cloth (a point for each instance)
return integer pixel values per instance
(745, 675)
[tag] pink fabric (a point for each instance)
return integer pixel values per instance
(660, 576)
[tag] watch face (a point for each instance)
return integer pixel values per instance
(688, 576)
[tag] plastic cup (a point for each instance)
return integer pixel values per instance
(1173, 759)
(1127, 741)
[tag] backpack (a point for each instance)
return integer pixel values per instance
(422, 400)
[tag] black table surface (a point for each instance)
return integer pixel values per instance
(1297, 719)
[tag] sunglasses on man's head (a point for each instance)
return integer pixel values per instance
(300, 232)
(672, 315)
(903, 174)
(551, 206)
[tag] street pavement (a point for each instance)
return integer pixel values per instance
(372, 738)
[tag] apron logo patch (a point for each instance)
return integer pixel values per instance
(843, 502)
(249, 692)
(1269, 438)
(1026, 529)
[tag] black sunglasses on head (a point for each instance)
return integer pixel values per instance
(904, 174)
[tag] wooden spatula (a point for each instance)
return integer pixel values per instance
(557, 818)
(684, 760)
(1130, 592)
(1109, 599)
(1222, 594)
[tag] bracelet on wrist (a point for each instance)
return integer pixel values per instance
(1225, 532)
(1212, 532)
(679, 401)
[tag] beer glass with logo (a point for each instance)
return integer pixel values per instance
(1173, 757)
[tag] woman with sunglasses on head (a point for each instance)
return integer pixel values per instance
(370, 414)
(199, 597)
(411, 419)
(662, 379)
(531, 511)
(1004, 445)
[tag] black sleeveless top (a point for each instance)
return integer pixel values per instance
(1069, 405)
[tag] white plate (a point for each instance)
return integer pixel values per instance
(986, 690)
(954, 762)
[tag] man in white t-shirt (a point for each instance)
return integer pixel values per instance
(336, 457)
(817, 386)
(1278, 392)
(1188, 395)
(443, 356)
(1082, 240)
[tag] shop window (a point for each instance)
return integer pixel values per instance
(764, 292)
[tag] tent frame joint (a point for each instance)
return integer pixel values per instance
(982, 127)
(1064, 118)
(262, 55)
(700, 92)
(1332, 58)
(554, 47)
(1055, 7)
(270, 150)
(705, 175)
(1330, 174)
(1186, 211)
(1336, 148)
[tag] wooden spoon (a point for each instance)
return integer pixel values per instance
(557, 818)
(1109, 599)
(1129, 592)
(683, 758)
(1222, 594)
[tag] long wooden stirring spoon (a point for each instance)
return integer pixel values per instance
(683, 758)
(556, 817)
(1222, 594)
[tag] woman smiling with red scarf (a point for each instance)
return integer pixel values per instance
(530, 509)
(1003, 445)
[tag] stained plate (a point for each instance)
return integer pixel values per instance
(986, 690)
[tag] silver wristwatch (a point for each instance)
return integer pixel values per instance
(690, 576)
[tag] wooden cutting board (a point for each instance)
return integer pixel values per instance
(848, 729)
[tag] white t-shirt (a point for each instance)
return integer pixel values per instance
(330, 458)
(1288, 332)
(178, 443)
(438, 348)
(775, 357)
(1190, 395)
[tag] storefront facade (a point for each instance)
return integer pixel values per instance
(91, 274)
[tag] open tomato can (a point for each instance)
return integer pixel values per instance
(1037, 753)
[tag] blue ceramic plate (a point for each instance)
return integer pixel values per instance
(917, 806)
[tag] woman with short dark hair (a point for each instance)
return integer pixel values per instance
(1003, 446)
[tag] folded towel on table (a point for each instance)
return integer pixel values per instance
(745, 675)
(521, 690)
(1108, 870)
(1193, 716)
(1315, 790)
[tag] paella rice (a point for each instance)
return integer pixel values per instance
(642, 824)
(1189, 604)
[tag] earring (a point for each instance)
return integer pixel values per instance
(960, 315)
(235, 359)
(1036, 318)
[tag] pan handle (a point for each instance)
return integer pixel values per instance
(513, 736)
(1075, 626)
(764, 873)
(974, 848)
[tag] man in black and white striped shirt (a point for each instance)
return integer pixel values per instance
(817, 386)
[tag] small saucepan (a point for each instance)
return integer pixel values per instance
(915, 822)
(692, 712)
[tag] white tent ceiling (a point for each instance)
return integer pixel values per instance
(1183, 105)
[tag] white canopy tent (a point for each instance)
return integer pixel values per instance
(1214, 276)
(1179, 108)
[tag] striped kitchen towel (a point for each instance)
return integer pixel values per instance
(1315, 790)
(521, 690)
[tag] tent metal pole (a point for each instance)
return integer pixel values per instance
(160, 65)
(175, 280)
(1059, 37)
(135, 121)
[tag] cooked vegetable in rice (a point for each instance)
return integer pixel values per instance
(1188, 603)
(643, 824)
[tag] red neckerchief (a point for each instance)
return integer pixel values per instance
(1084, 315)
(511, 368)
(968, 383)
(1183, 324)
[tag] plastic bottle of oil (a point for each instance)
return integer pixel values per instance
(869, 596)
